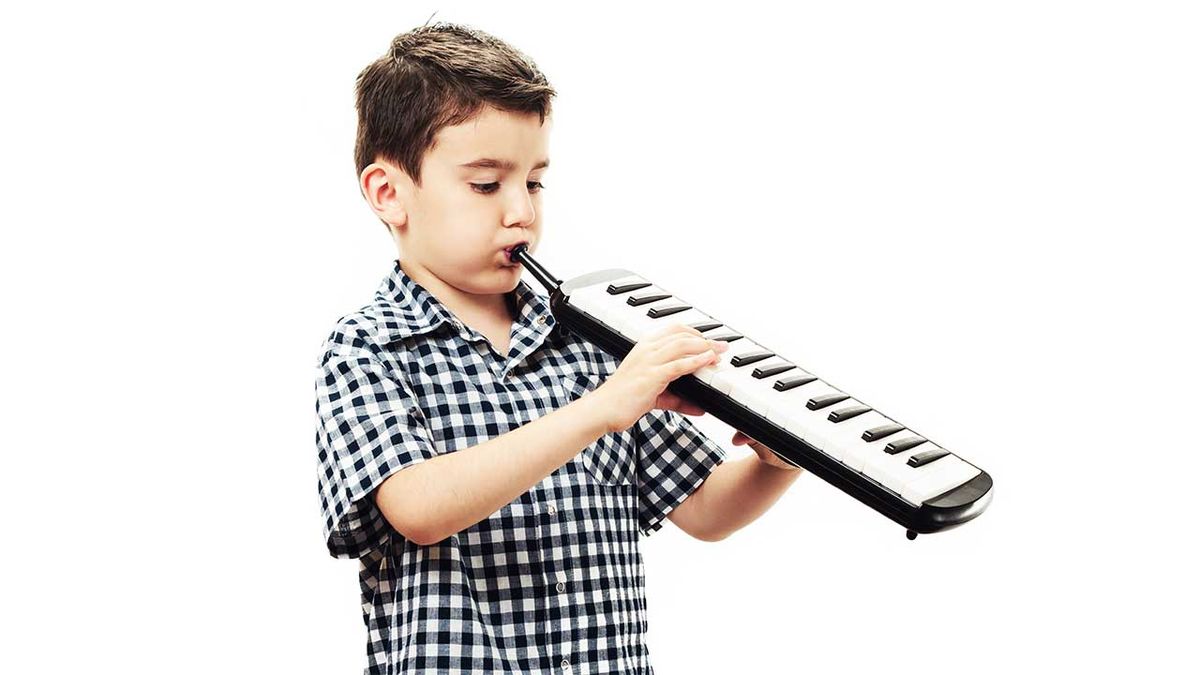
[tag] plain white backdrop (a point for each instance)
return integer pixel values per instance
(978, 217)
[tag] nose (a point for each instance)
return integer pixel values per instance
(519, 208)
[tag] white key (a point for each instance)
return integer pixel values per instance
(723, 380)
(807, 423)
(651, 326)
(790, 410)
(638, 325)
(942, 478)
(755, 393)
(596, 300)
(632, 321)
(830, 437)
(760, 396)
(903, 476)
(855, 451)
(707, 373)
(684, 318)
(782, 403)
(593, 300)
(891, 470)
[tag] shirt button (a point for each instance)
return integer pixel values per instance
(541, 320)
(565, 663)
(551, 510)
(560, 586)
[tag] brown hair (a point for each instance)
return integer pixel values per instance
(436, 76)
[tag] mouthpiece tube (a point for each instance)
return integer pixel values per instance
(521, 254)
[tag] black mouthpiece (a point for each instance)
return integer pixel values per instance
(521, 255)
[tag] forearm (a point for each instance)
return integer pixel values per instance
(736, 493)
(449, 493)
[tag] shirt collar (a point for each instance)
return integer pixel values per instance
(407, 308)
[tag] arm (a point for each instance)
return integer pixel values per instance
(430, 500)
(434, 499)
(734, 495)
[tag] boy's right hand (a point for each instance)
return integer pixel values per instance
(639, 384)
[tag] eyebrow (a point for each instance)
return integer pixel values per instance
(504, 164)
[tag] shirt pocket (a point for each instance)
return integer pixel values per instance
(612, 459)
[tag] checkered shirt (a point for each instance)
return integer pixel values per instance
(552, 582)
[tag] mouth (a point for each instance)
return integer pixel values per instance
(508, 252)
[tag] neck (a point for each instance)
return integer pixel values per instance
(468, 307)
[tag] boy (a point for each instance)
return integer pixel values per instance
(490, 470)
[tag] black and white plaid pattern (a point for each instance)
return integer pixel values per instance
(553, 581)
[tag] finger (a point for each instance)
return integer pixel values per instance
(651, 344)
(672, 329)
(744, 436)
(688, 344)
(675, 337)
(664, 350)
(673, 370)
(676, 345)
(675, 331)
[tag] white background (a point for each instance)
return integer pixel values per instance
(977, 217)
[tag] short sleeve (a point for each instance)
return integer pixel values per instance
(368, 427)
(674, 458)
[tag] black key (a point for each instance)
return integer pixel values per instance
(647, 298)
(881, 432)
(923, 458)
(666, 311)
(847, 413)
(705, 326)
(897, 447)
(794, 381)
(752, 357)
(728, 338)
(760, 373)
(825, 400)
(614, 289)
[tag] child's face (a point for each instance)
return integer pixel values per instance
(459, 222)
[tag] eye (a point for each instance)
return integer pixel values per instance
(489, 188)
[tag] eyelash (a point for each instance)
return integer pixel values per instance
(494, 185)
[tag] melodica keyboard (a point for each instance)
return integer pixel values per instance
(804, 419)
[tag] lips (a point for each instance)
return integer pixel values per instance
(508, 251)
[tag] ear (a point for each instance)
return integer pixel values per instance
(386, 191)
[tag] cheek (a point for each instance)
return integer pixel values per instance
(464, 239)
(460, 217)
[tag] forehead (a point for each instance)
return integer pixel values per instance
(522, 138)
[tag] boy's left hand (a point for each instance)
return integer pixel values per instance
(764, 453)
